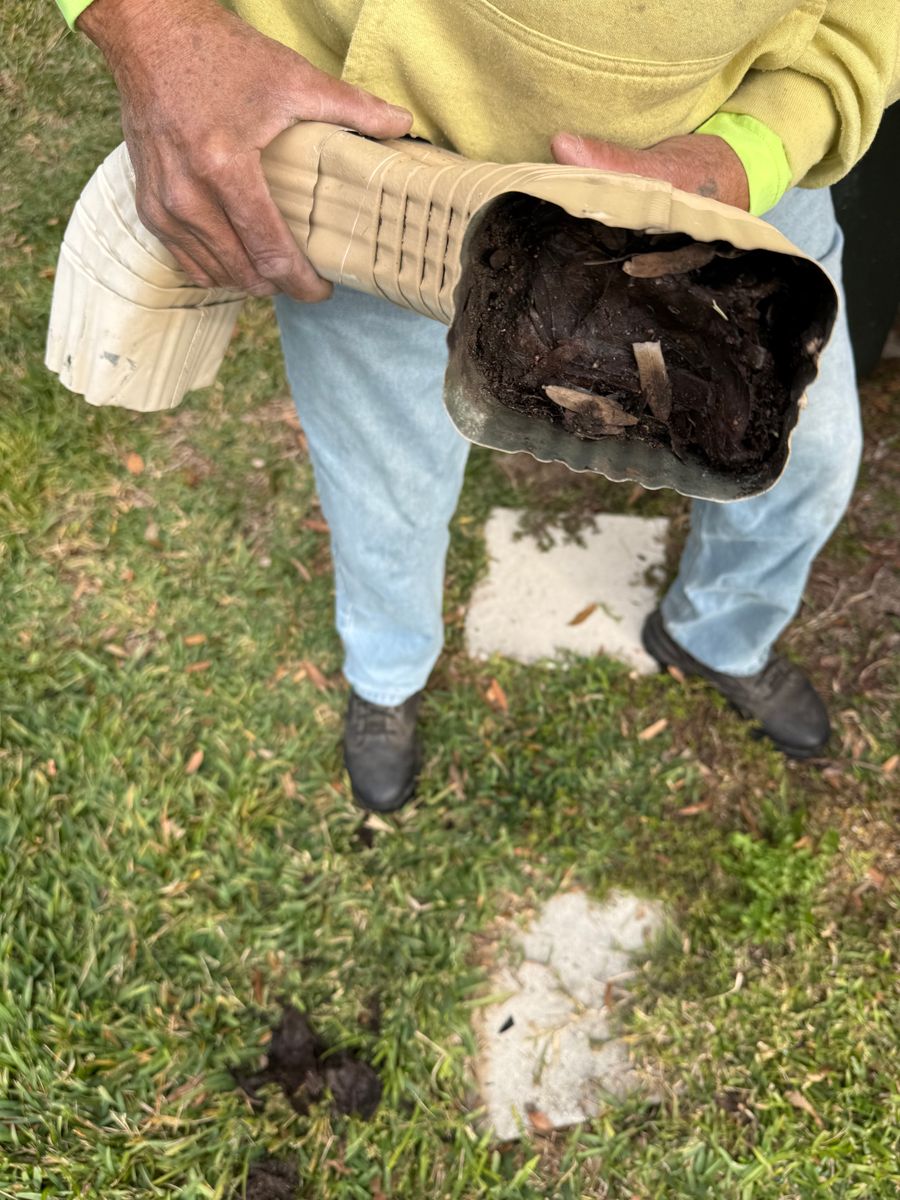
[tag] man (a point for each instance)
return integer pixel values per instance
(739, 102)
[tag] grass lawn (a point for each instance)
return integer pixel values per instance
(179, 851)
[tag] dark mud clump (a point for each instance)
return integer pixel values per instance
(272, 1179)
(696, 347)
(302, 1066)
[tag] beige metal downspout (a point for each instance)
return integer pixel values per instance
(388, 218)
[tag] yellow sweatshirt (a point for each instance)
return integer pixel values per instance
(496, 80)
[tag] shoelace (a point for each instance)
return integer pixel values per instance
(775, 673)
(369, 719)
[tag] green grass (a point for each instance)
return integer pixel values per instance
(155, 909)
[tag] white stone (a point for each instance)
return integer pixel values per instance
(560, 1056)
(523, 609)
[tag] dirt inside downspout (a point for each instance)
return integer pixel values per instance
(613, 333)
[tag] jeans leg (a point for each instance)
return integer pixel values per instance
(367, 378)
(746, 563)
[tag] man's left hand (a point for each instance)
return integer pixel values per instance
(695, 162)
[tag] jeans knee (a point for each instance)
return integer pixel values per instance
(839, 454)
(836, 467)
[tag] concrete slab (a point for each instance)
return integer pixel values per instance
(549, 1056)
(525, 607)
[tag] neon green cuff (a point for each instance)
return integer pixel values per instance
(761, 151)
(72, 10)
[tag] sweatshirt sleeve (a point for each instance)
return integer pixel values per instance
(761, 152)
(827, 105)
(72, 10)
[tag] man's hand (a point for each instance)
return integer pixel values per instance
(203, 94)
(696, 162)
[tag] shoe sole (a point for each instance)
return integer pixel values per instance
(656, 642)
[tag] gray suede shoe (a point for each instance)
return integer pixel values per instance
(780, 696)
(382, 752)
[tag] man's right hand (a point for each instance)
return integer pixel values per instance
(203, 94)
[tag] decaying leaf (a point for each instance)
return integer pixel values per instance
(599, 408)
(652, 730)
(581, 616)
(669, 262)
(314, 675)
(573, 399)
(457, 781)
(877, 877)
(655, 383)
(611, 413)
(496, 697)
(258, 983)
(539, 1121)
(798, 1100)
(151, 535)
(194, 763)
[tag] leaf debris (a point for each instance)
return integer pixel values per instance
(601, 409)
(309, 670)
(539, 1121)
(655, 383)
(496, 697)
(582, 615)
(798, 1100)
(194, 763)
(652, 730)
(669, 262)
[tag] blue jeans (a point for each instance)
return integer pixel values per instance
(367, 380)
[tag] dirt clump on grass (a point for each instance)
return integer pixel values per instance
(611, 333)
(306, 1071)
(272, 1179)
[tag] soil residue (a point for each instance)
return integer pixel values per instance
(699, 348)
(302, 1065)
(272, 1179)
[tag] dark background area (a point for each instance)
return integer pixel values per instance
(868, 208)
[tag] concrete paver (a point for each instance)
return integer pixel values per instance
(548, 1047)
(525, 606)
